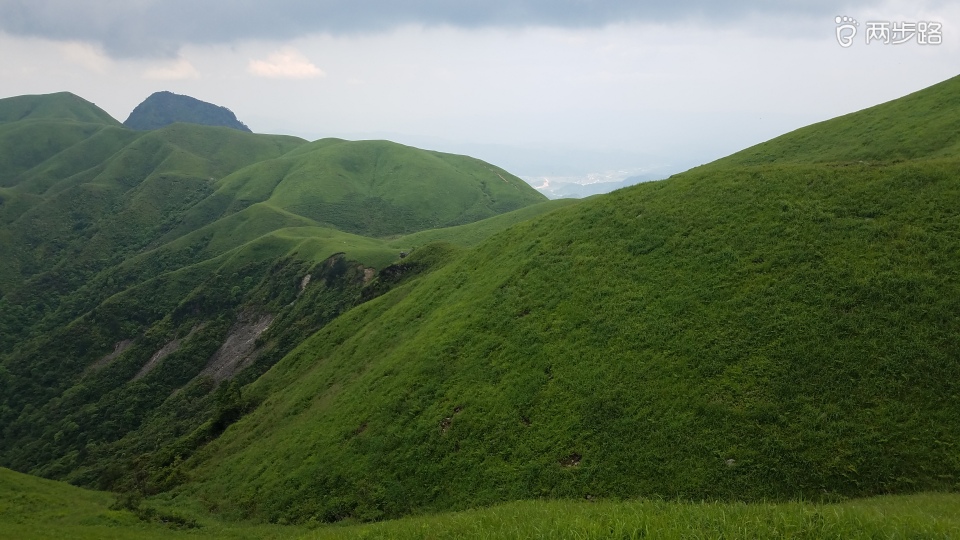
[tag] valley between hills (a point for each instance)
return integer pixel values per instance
(207, 332)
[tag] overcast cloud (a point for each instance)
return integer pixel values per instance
(561, 89)
(136, 28)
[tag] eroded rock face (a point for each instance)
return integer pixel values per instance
(239, 349)
(118, 349)
(303, 284)
(165, 351)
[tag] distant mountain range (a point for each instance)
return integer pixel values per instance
(165, 108)
(561, 189)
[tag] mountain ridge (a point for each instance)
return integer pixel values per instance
(56, 106)
(914, 126)
(164, 108)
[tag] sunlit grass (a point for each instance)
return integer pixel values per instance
(916, 516)
(33, 508)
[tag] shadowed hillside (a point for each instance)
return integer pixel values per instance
(148, 276)
(164, 108)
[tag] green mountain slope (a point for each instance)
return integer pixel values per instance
(738, 331)
(266, 274)
(103, 196)
(377, 188)
(59, 106)
(36, 129)
(473, 233)
(134, 262)
(921, 125)
(33, 508)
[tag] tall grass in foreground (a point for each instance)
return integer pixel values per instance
(914, 516)
(35, 508)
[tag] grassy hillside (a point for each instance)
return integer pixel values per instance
(376, 188)
(921, 125)
(75, 217)
(32, 508)
(472, 234)
(133, 260)
(59, 106)
(738, 332)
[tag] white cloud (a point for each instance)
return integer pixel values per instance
(181, 69)
(86, 55)
(286, 63)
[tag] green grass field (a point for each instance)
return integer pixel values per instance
(913, 516)
(33, 508)
(36, 509)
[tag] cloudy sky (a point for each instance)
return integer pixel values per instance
(546, 88)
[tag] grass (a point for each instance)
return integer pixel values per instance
(910, 127)
(46, 144)
(656, 336)
(472, 234)
(761, 332)
(59, 106)
(915, 516)
(33, 508)
(378, 188)
(91, 201)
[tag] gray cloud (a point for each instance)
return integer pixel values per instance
(154, 28)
